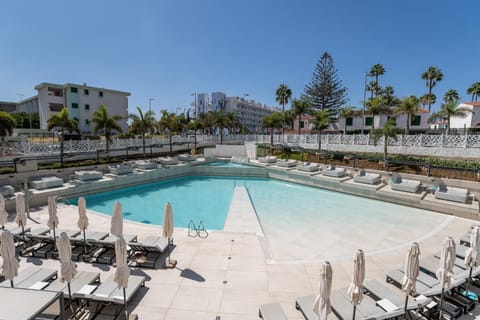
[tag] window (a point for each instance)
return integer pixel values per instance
(100, 93)
(74, 105)
(368, 121)
(415, 120)
(87, 122)
(349, 121)
(85, 92)
(73, 90)
(76, 119)
(394, 120)
(302, 124)
(87, 107)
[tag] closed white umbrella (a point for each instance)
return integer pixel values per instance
(7, 251)
(167, 230)
(122, 272)
(472, 256)
(83, 220)
(21, 218)
(3, 213)
(412, 268)
(445, 272)
(321, 306)
(68, 269)
(355, 290)
(116, 226)
(52, 222)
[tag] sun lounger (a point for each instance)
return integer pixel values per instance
(82, 279)
(44, 244)
(167, 161)
(395, 296)
(120, 169)
(268, 159)
(145, 164)
(444, 192)
(308, 167)
(32, 278)
(103, 250)
(185, 157)
(88, 175)
(147, 252)
(367, 177)
(41, 183)
(286, 163)
(407, 185)
(333, 171)
(272, 311)
(7, 191)
(108, 292)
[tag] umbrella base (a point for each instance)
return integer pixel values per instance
(170, 264)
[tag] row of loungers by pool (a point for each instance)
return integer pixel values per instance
(386, 300)
(99, 246)
(87, 288)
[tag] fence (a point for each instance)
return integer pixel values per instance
(443, 145)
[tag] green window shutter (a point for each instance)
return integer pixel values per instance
(349, 121)
(100, 93)
(87, 107)
(85, 92)
(368, 121)
(415, 120)
(74, 105)
(73, 90)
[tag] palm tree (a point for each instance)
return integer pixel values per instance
(170, 124)
(221, 122)
(347, 112)
(449, 109)
(376, 71)
(7, 124)
(61, 120)
(388, 131)
(283, 96)
(451, 95)
(233, 123)
(208, 122)
(289, 117)
(427, 99)
(377, 106)
(301, 106)
(431, 77)
(273, 121)
(143, 124)
(321, 121)
(474, 90)
(103, 122)
(409, 106)
(195, 125)
(373, 88)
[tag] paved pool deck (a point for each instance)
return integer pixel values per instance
(229, 274)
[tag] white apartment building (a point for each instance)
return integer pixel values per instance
(80, 100)
(249, 112)
(472, 120)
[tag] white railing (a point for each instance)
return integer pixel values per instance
(302, 140)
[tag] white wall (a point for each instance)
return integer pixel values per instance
(472, 120)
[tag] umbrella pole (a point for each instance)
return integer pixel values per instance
(468, 280)
(70, 298)
(441, 304)
(405, 308)
(23, 233)
(11, 283)
(125, 303)
(354, 309)
(84, 242)
(54, 237)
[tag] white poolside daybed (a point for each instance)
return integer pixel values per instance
(145, 164)
(88, 175)
(333, 171)
(167, 160)
(308, 167)
(120, 169)
(268, 159)
(367, 177)
(185, 157)
(286, 163)
(41, 183)
(7, 191)
(407, 185)
(451, 194)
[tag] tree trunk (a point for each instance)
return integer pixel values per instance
(429, 95)
(107, 138)
(143, 143)
(319, 142)
(271, 136)
(448, 125)
(283, 122)
(221, 135)
(170, 141)
(385, 146)
(61, 148)
(195, 139)
(408, 124)
(299, 124)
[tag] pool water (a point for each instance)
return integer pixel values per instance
(204, 199)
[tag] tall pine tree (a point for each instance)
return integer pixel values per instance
(326, 90)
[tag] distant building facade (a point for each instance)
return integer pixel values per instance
(80, 100)
(472, 120)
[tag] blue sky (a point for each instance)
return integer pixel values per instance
(170, 49)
